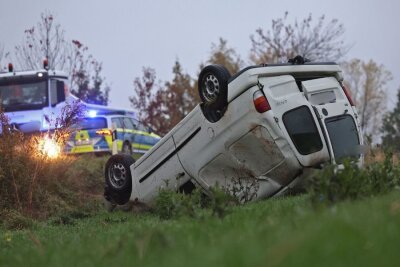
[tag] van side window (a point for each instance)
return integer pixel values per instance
(117, 122)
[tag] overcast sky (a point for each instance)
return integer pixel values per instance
(127, 35)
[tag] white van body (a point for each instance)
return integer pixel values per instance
(311, 122)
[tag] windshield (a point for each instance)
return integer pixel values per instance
(24, 96)
(343, 134)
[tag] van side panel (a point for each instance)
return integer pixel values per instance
(161, 169)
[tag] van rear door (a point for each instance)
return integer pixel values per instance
(338, 118)
(296, 118)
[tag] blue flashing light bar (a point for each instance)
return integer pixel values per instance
(92, 113)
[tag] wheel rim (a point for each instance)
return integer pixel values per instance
(211, 88)
(118, 175)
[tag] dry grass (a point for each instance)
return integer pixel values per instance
(378, 155)
(34, 185)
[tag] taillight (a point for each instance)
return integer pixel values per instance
(348, 95)
(260, 102)
(46, 64)
(104, 132)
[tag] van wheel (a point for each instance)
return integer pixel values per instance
(118, 179)
(213, 91)
(127, 149)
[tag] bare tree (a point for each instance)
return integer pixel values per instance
(322, 40)
(85, 76)
(367, 82)
(88, 85)
(3, 56)
(47, 40)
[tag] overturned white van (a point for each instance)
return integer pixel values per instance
(265, 125)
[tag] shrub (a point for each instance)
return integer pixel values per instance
(33, 185)
(170, 204)
(243, 188)
(14, 220)
(349, 182)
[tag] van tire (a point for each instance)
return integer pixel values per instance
(213, 91)
(118, 179)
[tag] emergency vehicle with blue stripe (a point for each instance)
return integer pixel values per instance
(94, 135)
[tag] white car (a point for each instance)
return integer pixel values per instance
(255, 132)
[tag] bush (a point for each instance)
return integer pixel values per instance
(171, 204)
(34, 185)
(349, 182)
(14, 220)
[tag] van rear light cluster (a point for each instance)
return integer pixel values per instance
(46, 64)
(348, 95)
(260, 102)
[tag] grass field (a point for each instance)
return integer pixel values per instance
(277, 232)
(51, 215)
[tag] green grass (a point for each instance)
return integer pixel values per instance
(278, 232)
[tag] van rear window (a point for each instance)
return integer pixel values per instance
(322, 98)
(302, 130)
(92, 123)
(343, 134)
